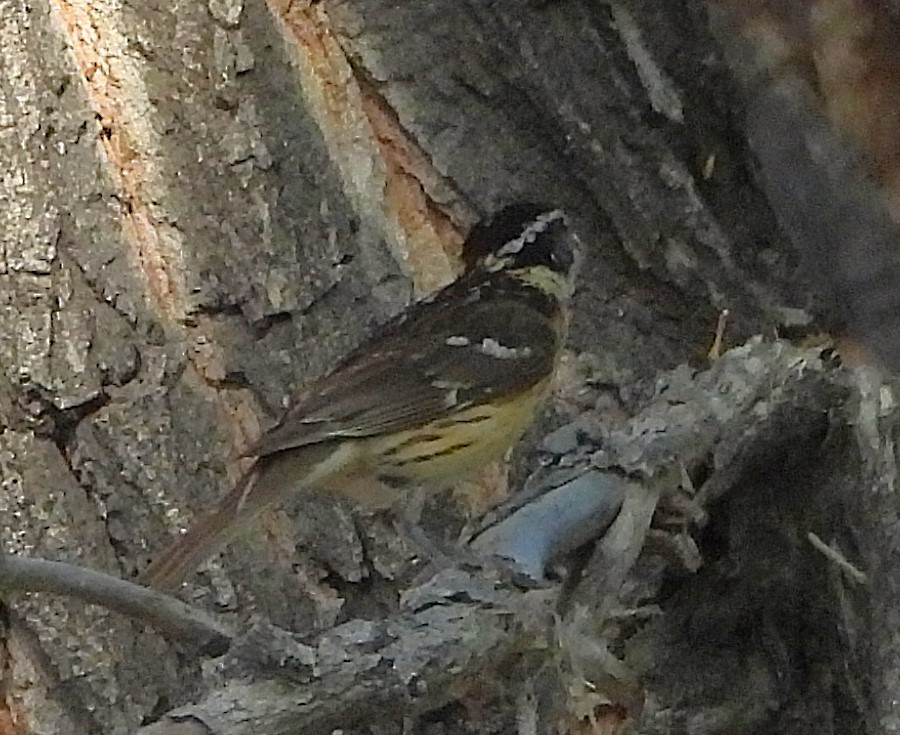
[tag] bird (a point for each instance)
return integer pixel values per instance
(448, 385)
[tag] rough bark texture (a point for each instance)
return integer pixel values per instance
(204, 205)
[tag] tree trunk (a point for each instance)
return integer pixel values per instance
(205, 205)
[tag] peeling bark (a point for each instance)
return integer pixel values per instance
(204, 205)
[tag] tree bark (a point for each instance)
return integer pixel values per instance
(205, 205)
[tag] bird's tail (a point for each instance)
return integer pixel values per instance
(206, 536)
(272, 479)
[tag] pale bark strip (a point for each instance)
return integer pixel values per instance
(367, 672)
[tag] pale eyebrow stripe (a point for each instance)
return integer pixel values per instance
(540, 224)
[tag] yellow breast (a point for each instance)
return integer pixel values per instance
(446, 450)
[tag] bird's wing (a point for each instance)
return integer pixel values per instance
(407, 375)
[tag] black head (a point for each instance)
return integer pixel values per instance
(520, 236)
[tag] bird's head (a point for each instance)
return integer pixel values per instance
(530, 242)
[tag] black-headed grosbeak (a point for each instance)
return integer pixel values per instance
(448, 385)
